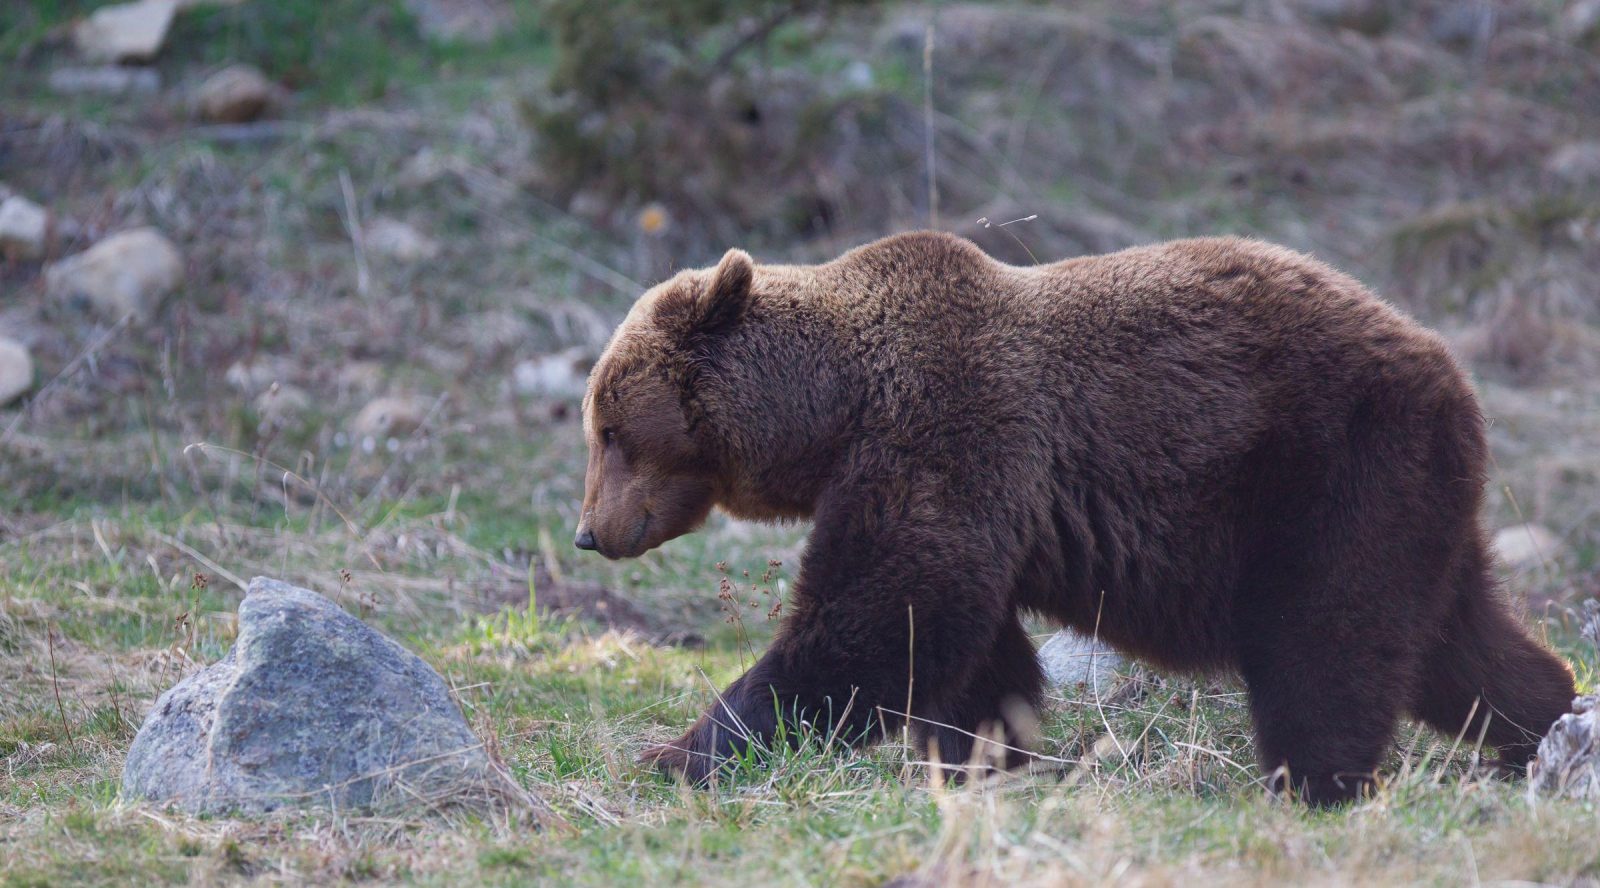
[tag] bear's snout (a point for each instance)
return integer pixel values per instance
(585, 539)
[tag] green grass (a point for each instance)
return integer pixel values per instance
(1155, 783)
(328, 52)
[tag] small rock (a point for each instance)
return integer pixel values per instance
(1568, 763)
(1071, 660)
(311, 707)
(257, 374)
(1526, 546)
(236, 94)
(125, 32)
(127, 273)
(110, 80)
(428, 166)
(385, 418)
(359, 378)
(858, 74)
(1581, 21)
(1576, 163)
(16, 370)
(490, 335)
(23, 225)
(563, 375)
(281, 405)
(398, 240)
(469, 21)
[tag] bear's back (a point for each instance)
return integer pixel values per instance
(938, 297)
(1216, 342)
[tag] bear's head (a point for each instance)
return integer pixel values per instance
(652, 476)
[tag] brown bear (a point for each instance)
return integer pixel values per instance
(1216, 453)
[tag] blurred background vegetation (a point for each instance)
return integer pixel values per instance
(530, 166)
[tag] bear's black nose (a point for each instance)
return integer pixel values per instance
(585, 539)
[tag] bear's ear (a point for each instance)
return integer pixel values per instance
(727, 293)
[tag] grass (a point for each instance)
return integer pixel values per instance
(1154, 782)
(330, 53)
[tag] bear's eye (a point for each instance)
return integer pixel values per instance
(609, 436)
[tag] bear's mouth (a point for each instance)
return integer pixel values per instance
(635, 546)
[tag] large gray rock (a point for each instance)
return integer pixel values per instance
(311, 707)
(128, 273)
(1569, 755)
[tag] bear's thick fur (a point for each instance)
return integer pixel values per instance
(1217, 454)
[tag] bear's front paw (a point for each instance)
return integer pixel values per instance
(687, 756)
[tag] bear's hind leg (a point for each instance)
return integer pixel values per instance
(1003, 692)
(1484, 666)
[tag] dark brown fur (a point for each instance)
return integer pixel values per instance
(1217, 453)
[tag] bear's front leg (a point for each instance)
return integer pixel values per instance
(887, 617)
(735, 719)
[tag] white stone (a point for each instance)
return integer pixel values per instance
(1526, 546)
(1575, 163)
(236, 94)
(428, 166)
(466, 21)
(16, 370)
(1568, 763)
(564, 374)
(389, 417)
(251, 376)
(111, 80)
(1071, 661)
(125, 32)
(23, 226)
(127, 273)
(359, 378)
(1582, 19)
(399, 240)
(281, 405)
